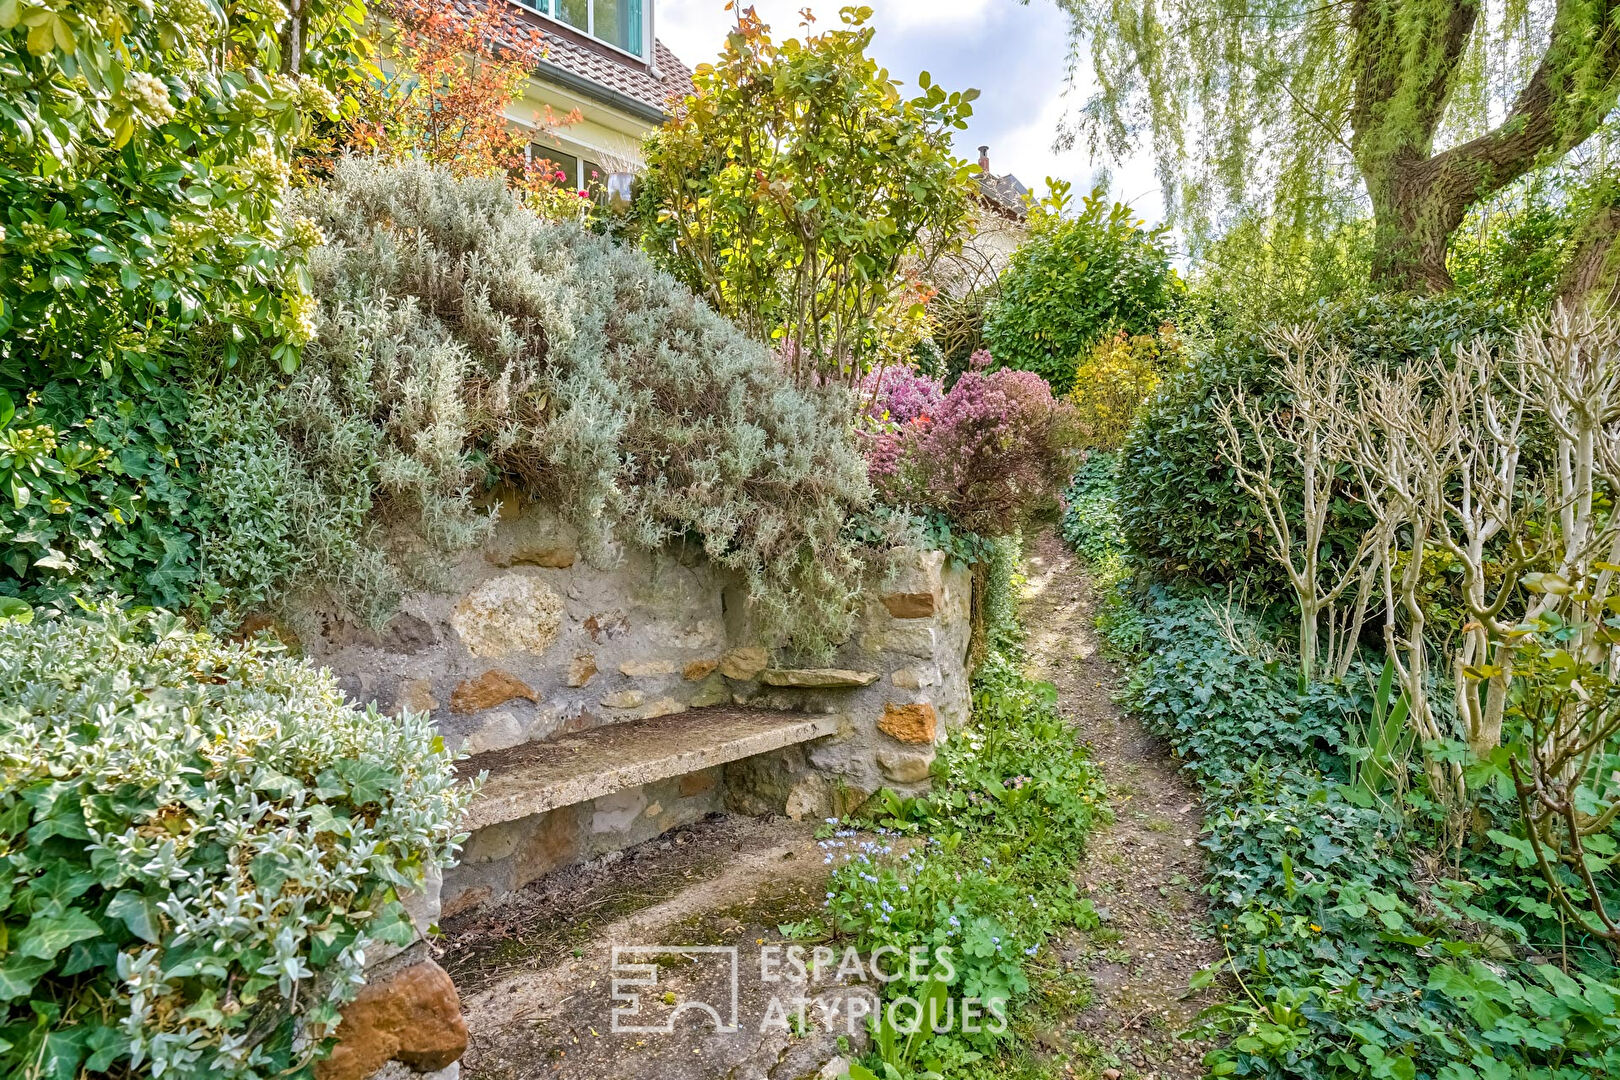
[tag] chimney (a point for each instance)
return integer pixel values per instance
(984, 161)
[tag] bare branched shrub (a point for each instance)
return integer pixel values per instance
(1318, 378)
(1439, 453)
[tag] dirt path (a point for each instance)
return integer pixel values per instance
(1143, 871)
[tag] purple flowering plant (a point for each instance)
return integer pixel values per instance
(985, 454)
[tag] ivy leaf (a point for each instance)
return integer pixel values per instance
(368, 781)
(18, 974)
(138, 912)
(45, 936)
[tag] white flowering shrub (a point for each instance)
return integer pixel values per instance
(200, 843)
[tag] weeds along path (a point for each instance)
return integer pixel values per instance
(1144, 871)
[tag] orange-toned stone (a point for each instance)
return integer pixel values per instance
(698, 670)
(412, 1016)
(909, 723)
(696, 783)
(415, 695)
(492, 688)
(910, 605)
(581, 669)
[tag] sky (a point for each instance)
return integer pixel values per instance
(1016, 55)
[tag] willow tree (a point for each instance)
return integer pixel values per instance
(1267, 107)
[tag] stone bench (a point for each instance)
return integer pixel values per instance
(546, 805)
(535, 777)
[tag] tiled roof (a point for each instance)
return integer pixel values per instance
(651, 87)
(616, 78)
(1005, 194)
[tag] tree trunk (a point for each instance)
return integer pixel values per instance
(1407, 64)
(1412, 226)
(1592, 275)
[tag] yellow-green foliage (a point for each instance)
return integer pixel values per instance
(1114, 379)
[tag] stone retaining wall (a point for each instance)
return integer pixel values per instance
(527, 641)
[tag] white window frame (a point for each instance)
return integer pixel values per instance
(589, 29)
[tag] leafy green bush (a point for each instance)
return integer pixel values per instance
(1180, 507)
(798, 191)
(1074, 281)
(1513, 250)
(149, 218)
(554, 362)
(200, 843)
(1113, 380)
(100, 494)
(1363, 950)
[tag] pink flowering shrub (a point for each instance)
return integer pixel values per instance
(985, 455)
(898, 394)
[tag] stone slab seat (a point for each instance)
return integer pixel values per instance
(540, 776)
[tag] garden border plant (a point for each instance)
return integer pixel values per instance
(1354, 948)
(201, 844)
(982, 864)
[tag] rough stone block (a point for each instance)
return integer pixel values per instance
(466, 900)
(698, 670)
(616, 812)
(554, 839)
(412, 1016)
(915, 678)
(916, 723)
(556, 556)
(509, 613)
(917, 641)
(623, 699)
(744, 663)
(808, 798)
(697, 783)
(640, 669)
(905, 768)
(415, 695)
(664, 706)
(494, 687)
(712, 692)
(581, 669)
(497, 730)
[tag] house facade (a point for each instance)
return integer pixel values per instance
(606, 81)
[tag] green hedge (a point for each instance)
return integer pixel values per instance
(1074, 281)
(1181, 511)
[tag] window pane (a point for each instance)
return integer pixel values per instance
(557, 162)
(618, 22)
(542, 6)
(574, 12)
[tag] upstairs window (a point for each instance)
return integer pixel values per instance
(617, 22)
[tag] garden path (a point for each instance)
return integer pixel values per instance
(1143, 872)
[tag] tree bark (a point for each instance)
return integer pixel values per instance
(1592, 275)
(1404, 82)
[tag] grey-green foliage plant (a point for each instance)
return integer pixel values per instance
(463, 340)
(200, 845)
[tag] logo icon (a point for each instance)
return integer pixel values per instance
(638, 966)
